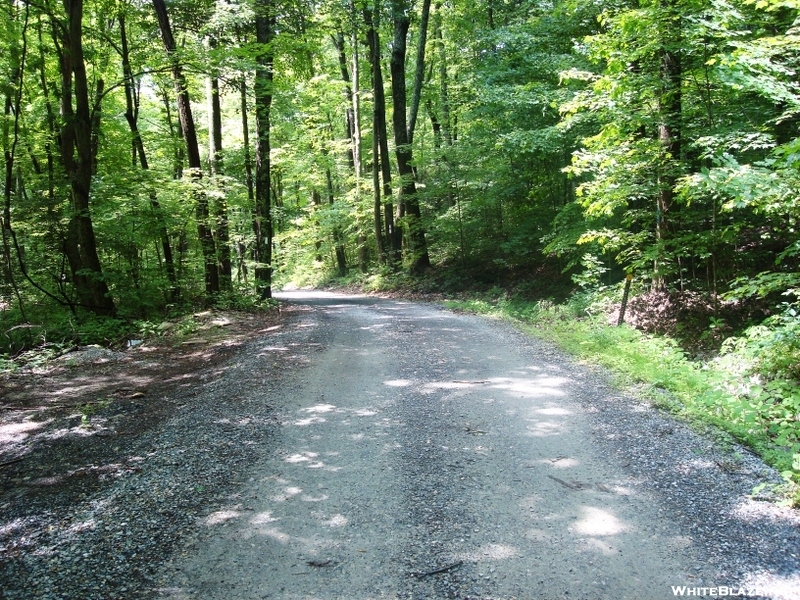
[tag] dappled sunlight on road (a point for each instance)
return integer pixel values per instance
(336, 521)
(553, 411)
(598, 545)
(530, 388)
(12, 433)
(265, 349)
(221, 516)
(365, 412)
(320, 498)
(263, 518)
(489, 552)
(398, 383)
(319, 408)
(560, 462)
(273, 534)
(599, 522)
(310, 458)
(309, 421)
(373, 327)
(779, 586)
(545, 428)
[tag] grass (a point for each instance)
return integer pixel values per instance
(714, 392)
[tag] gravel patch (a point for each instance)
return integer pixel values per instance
(743, 541)
(92, 509)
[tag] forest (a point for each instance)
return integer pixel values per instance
(164, 156)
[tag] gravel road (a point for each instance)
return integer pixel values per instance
(375, 448)
(424, 454)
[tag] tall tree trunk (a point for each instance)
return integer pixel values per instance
(444, 92)
(436, 127)
(349, 118)
(669, 127)
(131, 116)
(215, 156)
(97, 113)
(248, 173)
(361, 238)
(356, 110)
(390, 249)
(316, 200)
(380, 241)
(353, 132)
(76, 155)
(338, 245)
(408, 208)
(10, 141)
(204, 232)
(51, 124)
(352, 152)
(175, 135)
(248, 159)
(419, 75)
(262, 223)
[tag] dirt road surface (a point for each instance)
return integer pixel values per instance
(358, 448)
(424, 454)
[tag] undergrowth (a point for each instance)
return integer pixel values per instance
(747, 391)
(48, 330)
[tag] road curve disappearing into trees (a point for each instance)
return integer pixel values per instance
(424, 454)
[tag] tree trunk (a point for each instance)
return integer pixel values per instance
(669, 129)
(97, 113)
(175, 135)
(241, 248)
(408, 208)
(349, 119)
(76, 155)
(215, 159)
(352, 153)
(436, 127)
(419, 75)
(391, 239)
(444, 94)
(207, 244)
(341, 258)
(10, 141)
(316, 200)
(248, 160)
(356, 111)
(51, 125)
(380, 242)
(262, 223)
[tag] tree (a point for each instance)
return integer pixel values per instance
(262, 222)
(204, 231)
(387, 235)
(408, 205)
(77, 158)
